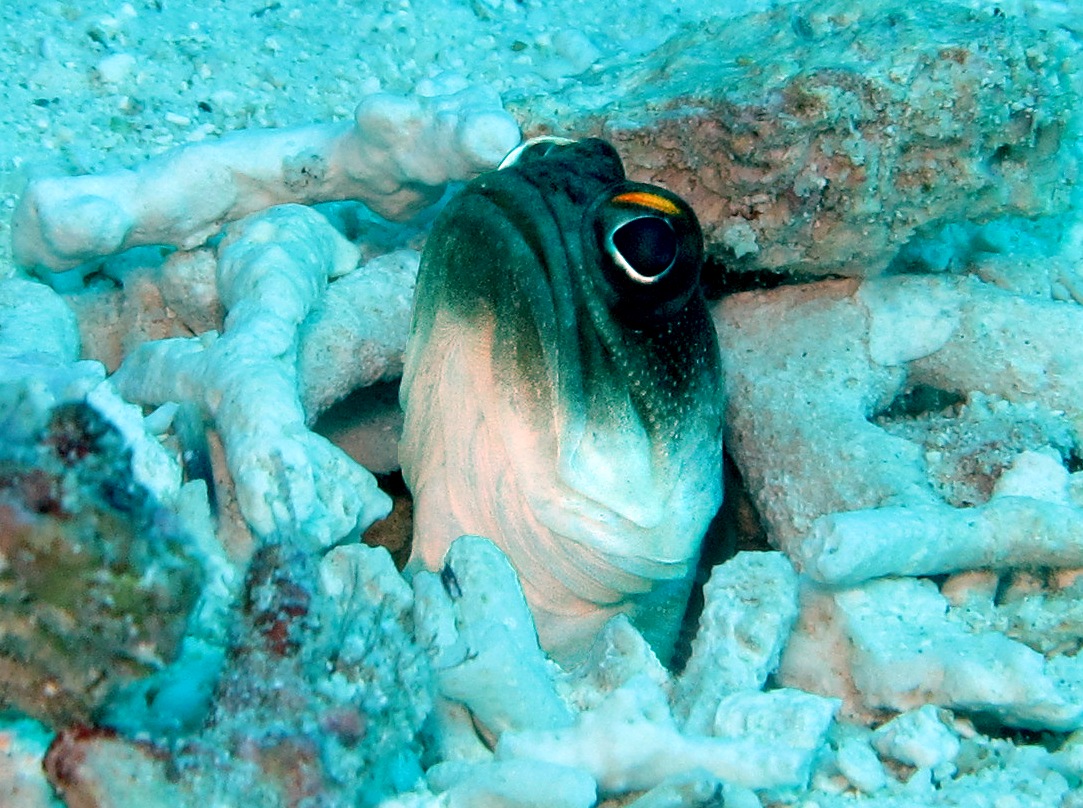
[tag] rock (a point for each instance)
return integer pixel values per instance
(890, 645)
(98, 577)
(818, 139)
(918, 738)
(845, 358)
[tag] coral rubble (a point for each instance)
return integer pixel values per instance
(102, 564)
(97, 583)
(187, 616)
(272, 267)
(615, 721)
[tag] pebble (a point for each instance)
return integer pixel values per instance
(116, 68)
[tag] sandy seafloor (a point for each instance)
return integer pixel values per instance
(93, 86)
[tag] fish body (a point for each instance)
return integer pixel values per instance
(562, 391)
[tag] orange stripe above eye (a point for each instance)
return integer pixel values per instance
(648, 200)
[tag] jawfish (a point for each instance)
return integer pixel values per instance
(562, 391)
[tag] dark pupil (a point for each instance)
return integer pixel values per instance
(648, 244)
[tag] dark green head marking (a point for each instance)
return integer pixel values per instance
(592, 282)
(562, 388)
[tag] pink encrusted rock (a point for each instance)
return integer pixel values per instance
(816, 378)
(96, 769)
(893, 645)
(818, 142)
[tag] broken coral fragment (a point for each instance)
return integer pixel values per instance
(291, 482)
(35, 324)
(397, 155)
(750, 607)
(630, 742)
(619, 654)
(854, 760)
(693, 789)
(486, 657)
(356, 332)
(918, 738)
(891, 645)
(512, 784)
(40, 348)
(1006, 532)
(841, 354)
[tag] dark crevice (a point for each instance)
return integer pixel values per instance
(718, 280)
(918, 400)
(737, 526)
(392, 484)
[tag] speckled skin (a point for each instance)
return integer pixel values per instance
(559, 406)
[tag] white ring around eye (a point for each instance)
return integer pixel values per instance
(622, 262)
(513, 156)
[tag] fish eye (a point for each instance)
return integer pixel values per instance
(649, 250)
(532, 149)
(645, 247)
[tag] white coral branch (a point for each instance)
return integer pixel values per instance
(272, 267)
(397, 156)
